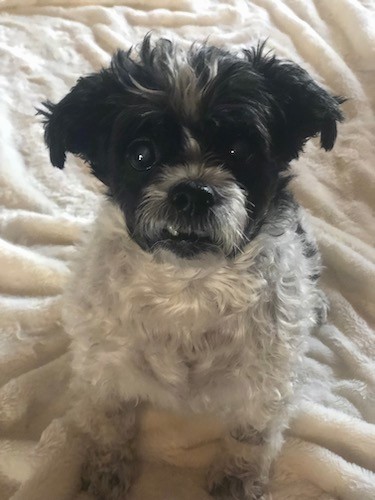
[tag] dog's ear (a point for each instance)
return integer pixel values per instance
(82, 121)
(302, 108)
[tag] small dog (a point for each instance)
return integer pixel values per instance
(198, 286)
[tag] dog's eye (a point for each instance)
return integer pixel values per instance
(239, 151)
(141, 154)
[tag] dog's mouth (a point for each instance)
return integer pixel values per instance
(186, 243)
(177, 235)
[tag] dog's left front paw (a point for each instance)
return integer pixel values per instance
(108, 476)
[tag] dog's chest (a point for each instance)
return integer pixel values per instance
(199, 372)
(179, 341)
(194, 344)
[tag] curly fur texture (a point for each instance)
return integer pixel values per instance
(223, 339)
(220, 329)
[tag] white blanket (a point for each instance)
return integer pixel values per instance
(45, 45)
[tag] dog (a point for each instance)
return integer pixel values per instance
(197, 288)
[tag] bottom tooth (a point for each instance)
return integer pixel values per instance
(172, 231)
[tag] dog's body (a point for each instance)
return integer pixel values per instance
(197, 288)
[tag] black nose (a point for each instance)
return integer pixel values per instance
(192, 197)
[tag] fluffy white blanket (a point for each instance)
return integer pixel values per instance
(45, 45)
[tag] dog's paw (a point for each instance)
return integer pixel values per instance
(235, 488)
(255, 490)
(108, 475)
(227, 488)
(235, 476)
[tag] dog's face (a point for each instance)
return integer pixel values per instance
(193, 146)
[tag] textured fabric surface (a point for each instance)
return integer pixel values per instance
(45, 45)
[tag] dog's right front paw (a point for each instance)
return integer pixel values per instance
(235, 488)
(236, 479)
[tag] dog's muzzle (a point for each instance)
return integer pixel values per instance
(191, 210)
(191, 234)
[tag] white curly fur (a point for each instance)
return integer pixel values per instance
(220, 337)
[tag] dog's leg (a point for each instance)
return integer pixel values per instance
(244, 472)
(236, 475)
(110, 464)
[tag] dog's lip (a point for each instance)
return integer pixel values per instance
(182, 236)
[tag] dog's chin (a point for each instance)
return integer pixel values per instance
(189, 245)
(185, 249)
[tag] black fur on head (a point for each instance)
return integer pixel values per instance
(161, 108)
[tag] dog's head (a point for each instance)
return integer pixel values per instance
(194, 145)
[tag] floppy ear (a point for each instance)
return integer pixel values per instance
(82, 121)
(302, 108)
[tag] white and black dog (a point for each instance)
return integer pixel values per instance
(198, 285)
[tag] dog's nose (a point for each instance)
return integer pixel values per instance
(192, 197)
